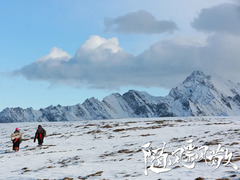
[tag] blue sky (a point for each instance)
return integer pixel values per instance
(62, 52)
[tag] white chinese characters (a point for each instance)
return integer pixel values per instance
(187, 156)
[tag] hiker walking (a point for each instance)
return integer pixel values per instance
(40, 134)
(16, 138)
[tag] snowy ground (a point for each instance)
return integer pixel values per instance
(112, 149)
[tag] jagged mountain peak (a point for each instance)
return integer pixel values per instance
(142, 94)
(199, 95)
(202, 94)
(198, 73)
(196, 84)
(131, 91)
(197, 77)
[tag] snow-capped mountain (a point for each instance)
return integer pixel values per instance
(198, 95)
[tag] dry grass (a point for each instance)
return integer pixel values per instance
(137, 128)
(94, 131)
(147, 135)
(106, 126)
(99, 173)
(200, 178)
(214, 142)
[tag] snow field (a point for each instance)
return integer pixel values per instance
(112, 149)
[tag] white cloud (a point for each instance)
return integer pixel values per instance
(56, 54)
(97, 48)
(97, 42)
(96, 61)
(101, 63)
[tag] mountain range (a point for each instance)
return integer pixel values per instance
(198, 95)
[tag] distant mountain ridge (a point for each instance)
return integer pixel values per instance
(198, 95)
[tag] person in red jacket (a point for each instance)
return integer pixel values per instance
(16, 138)
(40, 134)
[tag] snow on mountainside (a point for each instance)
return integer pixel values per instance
(204, 95)
(198, 95)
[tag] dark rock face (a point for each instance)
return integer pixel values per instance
(198, 95)
(162, 110)
(236, 99)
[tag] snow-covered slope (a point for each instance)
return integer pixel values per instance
(198, 95)
(204, 95)
(19, 115)
(112, 149)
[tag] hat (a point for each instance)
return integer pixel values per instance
(17, 129)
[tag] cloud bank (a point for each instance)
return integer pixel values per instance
(164, 64)
(139, 22)
(102, 63)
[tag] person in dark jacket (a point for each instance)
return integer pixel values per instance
(40, 134)
(16, 138)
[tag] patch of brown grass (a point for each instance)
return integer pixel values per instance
(106, 126)
(54, 134)
(25, 169)
(122, 151)
(67, 178)
(214, 142)
(125, 151)
(94, 131)
(138, 128)
(147, 135)
(234, 143)
(200, 178)
(99, 173)
(180, 120)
